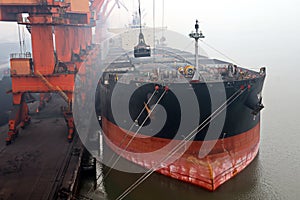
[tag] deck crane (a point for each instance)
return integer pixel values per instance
(61, 37)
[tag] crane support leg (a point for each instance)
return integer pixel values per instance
(68, 114)
(19, 117)
(70, 124)
(42, 101)
(44, 98)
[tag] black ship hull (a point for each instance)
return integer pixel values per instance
(239, 117)
(228, 141)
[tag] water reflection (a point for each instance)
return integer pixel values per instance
(249, 184)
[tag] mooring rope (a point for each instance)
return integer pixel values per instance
(127, 133)
(181, 144)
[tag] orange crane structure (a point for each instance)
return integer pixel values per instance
(61, 37)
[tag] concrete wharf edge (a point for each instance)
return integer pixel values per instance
(40, 163)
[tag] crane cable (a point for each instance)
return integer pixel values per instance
(181, 144)
(20, 39)
(140, 15)
(163, 18)
(134, 135)
(220, 52)
(154, 46)
(126, 135)
(131, 127)
(176, 148)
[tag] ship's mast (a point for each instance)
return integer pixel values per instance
(197, 35)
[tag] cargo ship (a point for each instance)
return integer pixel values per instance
(184, 115)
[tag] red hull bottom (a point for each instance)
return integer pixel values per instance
(227, 158)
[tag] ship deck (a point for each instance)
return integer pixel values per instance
(170, 65)
(40, 163)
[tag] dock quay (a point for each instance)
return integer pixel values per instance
(40, 163)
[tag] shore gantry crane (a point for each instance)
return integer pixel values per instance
(61, 38)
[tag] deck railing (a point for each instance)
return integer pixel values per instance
(20, 55)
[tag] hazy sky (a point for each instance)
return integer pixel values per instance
(253, 32)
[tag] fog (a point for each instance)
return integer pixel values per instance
(254, 33)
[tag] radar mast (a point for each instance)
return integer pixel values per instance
(196, 35)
